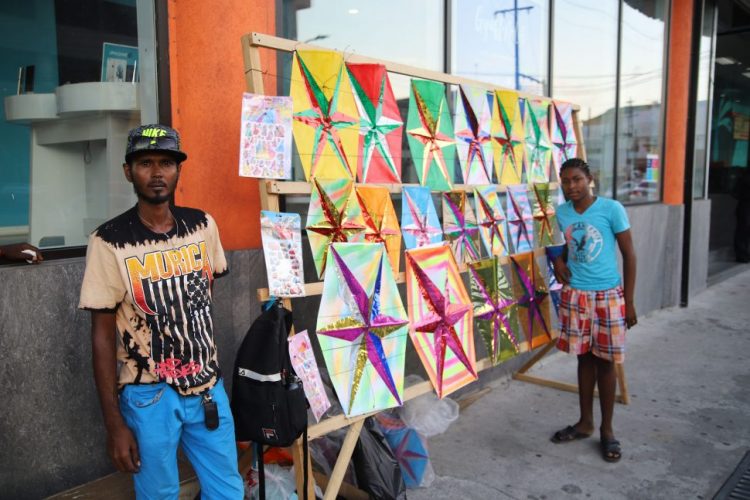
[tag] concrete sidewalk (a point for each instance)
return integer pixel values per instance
(686, 429)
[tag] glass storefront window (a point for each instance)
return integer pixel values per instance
(640, 123)
(506, 42)
(501, 41)
(703, 104)
(73, 83)
(414, 36)
(585, 73)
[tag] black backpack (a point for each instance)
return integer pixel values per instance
(268, 401)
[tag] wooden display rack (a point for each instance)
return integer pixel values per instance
(270, 193)
(623, 397)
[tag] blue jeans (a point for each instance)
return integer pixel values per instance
(161, 419)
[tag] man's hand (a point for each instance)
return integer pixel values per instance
(21, 251)
(123, 449)
(562, 273)
(631, 318)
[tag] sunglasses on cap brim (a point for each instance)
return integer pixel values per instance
(164, 142)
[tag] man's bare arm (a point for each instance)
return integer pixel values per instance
(560, 266)
(121, 444)
(625, 242)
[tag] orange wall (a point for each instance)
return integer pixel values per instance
(207, 82)
(677, 101)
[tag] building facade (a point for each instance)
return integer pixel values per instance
(665, 116)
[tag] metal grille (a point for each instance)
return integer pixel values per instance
(737, 487)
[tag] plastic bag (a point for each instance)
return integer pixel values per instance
(279, 483)
(427, 414)
(377, 470)
(324, 451)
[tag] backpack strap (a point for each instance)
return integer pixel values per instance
(261, 471)
(269, 303)
(305, 458)
(248, 373)
(284, 363)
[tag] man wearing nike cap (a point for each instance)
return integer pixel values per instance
(148, 280)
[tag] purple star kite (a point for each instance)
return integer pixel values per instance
(362, 328)
(519, 218)
(460, 226)
(529, 286)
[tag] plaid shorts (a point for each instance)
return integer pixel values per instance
(593, 321)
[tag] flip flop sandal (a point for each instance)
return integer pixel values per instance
(567, 435)
(611, 451)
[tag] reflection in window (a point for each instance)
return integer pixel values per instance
(703, 104)
(412, 32)
(501, 41)
(63, 131)
(416, 39)
(639, 141)
(585, 73)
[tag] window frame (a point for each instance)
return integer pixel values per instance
(707, 4)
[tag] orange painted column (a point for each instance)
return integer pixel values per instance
(207, 82)
(677, 101)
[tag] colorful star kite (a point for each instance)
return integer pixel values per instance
(555, 287)
(564, 143)
(495, 309)
(520, 220)
(430, 135)
(419, 219)
(473, 141)
(538, 145)
(362, 329)
(326, 123)
(460, 226)
(333, 216)
(407, 446)
(508, 137)
(543, 213)
(491, 220)
(380, 125)
(440, 317)
(532, 293)
(381, 223)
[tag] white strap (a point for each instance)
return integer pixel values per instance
(244, 372)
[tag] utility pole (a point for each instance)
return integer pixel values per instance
(630, 134)
(515, 11)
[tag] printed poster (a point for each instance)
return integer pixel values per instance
(741, 129)
(303, 362)
(119, 63)
(282, 248)
(266, 137)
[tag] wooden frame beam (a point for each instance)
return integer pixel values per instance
(302, 188)
(623, 397)
(316, 288)
(273, 42)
